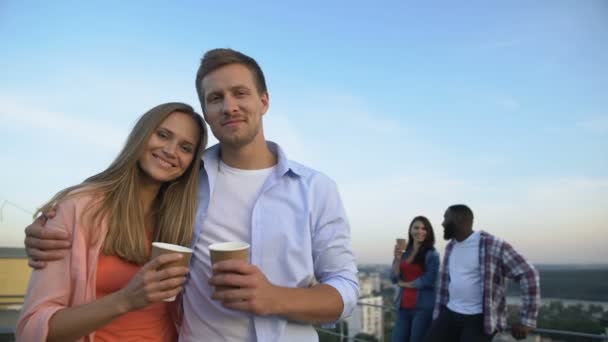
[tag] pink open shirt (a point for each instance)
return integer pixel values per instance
(66, 282)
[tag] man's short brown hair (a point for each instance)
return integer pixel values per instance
(217, 58)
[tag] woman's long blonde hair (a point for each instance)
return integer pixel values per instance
(119, 204)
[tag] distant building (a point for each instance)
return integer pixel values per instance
(376, 281)
(14, 278)
(386, 283)
(369, 283)
(368, 318)
(366, 286)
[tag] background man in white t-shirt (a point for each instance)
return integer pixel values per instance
(472, 287)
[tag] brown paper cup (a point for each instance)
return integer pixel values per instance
(228, 251)
(402, 243)
(160, 248)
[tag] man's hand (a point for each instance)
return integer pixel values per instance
(44, 244)
(252, 291)
(520, 331)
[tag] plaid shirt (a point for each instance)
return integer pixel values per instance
(498, 261)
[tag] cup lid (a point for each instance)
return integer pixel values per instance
(172, 247)
(228, 246)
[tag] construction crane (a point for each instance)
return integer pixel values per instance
(14, 205)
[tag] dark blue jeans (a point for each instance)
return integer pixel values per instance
(451, 326)
(411, 325)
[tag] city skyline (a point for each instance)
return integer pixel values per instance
(409, 108)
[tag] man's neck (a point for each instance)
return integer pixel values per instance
(253, 156)
(464, 236)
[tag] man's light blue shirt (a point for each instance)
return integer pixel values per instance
(299, 234)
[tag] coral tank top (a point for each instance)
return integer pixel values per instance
(152, 323)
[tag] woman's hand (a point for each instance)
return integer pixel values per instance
(151, 285)
(402, 283)
(398, 251)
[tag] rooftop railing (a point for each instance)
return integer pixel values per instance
(553, 333)
(7, 333)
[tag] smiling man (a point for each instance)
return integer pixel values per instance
(290, 214)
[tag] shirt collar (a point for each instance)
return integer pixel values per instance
(211, 159)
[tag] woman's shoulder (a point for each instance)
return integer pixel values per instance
(79, 199)
(432, 253)
(73, 212)
(72, 206)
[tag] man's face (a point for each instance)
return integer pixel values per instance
(233, 105)
(449, 225)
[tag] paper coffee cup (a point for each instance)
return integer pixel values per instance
(228, 251)
(402, 243)
(160, 248)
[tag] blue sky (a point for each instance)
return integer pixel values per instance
(409, 107)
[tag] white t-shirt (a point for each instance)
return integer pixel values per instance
(465, 288)
(228, 219)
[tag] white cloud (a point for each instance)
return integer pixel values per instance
(502, 44)
(278, 128)
(336, 126)
(509, 103)
(547, 218)
(86, 131)
(597, 124)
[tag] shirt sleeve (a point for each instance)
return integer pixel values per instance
(431, 268)
(520, 270)
(49, 288)
(444, 278)
(334, 261)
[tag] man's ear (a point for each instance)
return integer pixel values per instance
(265, 99)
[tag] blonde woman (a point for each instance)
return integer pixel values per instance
(105, 289)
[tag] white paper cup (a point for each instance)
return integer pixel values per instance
(160, 248)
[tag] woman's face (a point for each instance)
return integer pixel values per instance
(171, 148)
(418, 231)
